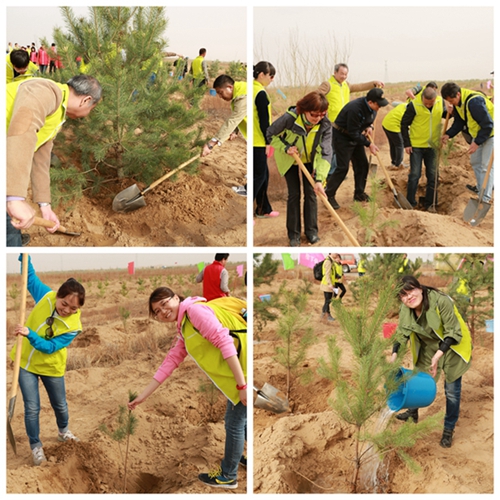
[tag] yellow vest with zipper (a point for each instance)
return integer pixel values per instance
(52, 123)
(337, 97)
(209, 358)
(196, 65)
(239, 90)
(465, 96)
(392, 120)
(258, 137)
(10, 71)
(33, 361)
(425, 129)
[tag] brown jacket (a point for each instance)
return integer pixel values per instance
(324, 88)
(35, 100)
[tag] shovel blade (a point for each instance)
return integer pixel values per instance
(271, 399)
(476, 211)
(372, 170)
(129, 199)
(10, 432)
(401, 201)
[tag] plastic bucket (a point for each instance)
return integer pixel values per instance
(388, 329)
(416, 390)
(213, 92)
(489, 325)
(265, 298)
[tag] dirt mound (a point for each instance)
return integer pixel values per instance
(311, 450)
(394, 226)
(185, 210)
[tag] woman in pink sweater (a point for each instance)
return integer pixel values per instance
(202, 335)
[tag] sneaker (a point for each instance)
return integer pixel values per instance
(66, 436)
(333, 203)
(243, 461)
(25, 239)
(38, 455)
(314, 239)
(295, 242)
(447, 438)
(274, 213)
(413, 414)
(240, 190)
(330, 318)
(217, 480)
(472, 189)
(362, 197)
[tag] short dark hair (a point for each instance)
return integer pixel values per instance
(223, 81)
(449, 89)
(429, 93)
(340, 65)
(86, 85)
(221, 256)
(159, 294)
(314, 101)
(263, 67)
(19, 58)
(72, 287)
(202, 51)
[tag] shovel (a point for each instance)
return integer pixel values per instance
(132, 198)
(325, 201)
(433, 208)
(17, 361)
(48, 223)
(271, 399)
(399, 198)
(476, 210)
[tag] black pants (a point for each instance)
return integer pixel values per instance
(396, 147)
(348, 151)
(341, 287)
(328, 299)
(261, 181)
(293, 219)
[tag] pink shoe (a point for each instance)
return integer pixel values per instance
(268, 216)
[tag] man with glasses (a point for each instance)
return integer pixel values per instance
(351, 132)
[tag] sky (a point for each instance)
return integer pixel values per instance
(391, 44)
(54, 261)
(189, 29)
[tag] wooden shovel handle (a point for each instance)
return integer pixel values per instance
(38, 221)
(388, 179)
(22, 316)
(486, 177)
(325, 201)
(172, 172)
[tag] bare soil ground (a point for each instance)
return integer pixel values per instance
(414, 228)
(179, 434)
(185, 210)
(310, 449)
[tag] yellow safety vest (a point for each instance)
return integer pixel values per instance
(197, 68)
(332, 272)
(337, 97)
(30, 72)
(392, 120)
(465, 96)
(240, 89)
(361, 266)
(209, 358)
(425, 129)
(52, 123)
(51, 365)
(258, 136)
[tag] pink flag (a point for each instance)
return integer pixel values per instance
(309, 259)
(131, 269)
(239, 270)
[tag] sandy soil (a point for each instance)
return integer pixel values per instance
(185, 210)
(179, 434)
(413, 227)
(310, 450)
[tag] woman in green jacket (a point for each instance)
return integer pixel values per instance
(440, 340)
(304, 130)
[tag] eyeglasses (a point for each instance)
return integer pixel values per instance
(317, 115)
(161, 309)
(49, 333)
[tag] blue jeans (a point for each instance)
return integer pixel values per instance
(452, 392)
(479, 162)
(28, 382)
(428, 156)
(236, 434)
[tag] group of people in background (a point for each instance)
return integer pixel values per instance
(42, 60)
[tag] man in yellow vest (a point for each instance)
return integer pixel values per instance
(338, 90)
(474, 112)
(36, 110)
(421, 131)
(19, 66)
(199, 69)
